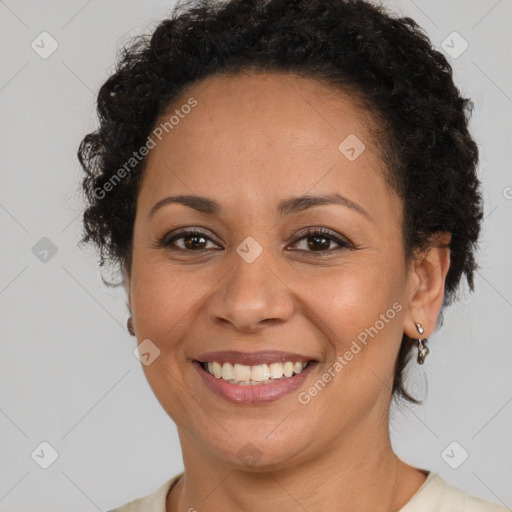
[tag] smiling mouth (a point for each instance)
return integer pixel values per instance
(246, 375)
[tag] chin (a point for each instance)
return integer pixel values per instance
(255, 450)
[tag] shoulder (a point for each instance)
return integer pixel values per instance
(436, 495)
(154, 502)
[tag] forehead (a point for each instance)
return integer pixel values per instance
(264, 131)
(271, 106)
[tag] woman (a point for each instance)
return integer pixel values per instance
(289, 189)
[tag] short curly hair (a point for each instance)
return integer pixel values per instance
(355, 46)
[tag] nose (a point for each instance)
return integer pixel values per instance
(250, 297)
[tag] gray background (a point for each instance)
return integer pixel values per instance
(68, 375)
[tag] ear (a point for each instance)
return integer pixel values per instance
(426, 282)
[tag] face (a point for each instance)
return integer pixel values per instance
(266, 272)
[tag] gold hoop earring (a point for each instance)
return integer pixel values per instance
(422, 348)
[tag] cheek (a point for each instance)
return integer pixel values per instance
(360, 311)
(164, 299)
(354, 295)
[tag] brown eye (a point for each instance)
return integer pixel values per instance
(192, 241)
(320, 240)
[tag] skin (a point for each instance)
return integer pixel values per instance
(252, 141)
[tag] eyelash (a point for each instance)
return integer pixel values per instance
(166, 242)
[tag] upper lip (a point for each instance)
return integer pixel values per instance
(252, 358)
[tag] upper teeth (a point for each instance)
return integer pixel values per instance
(258, 373)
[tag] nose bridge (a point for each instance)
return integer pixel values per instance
(251, 294)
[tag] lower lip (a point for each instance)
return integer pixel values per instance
(253, 394)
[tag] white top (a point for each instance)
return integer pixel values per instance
(435, 495)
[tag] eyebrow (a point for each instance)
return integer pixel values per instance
(287, 207)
